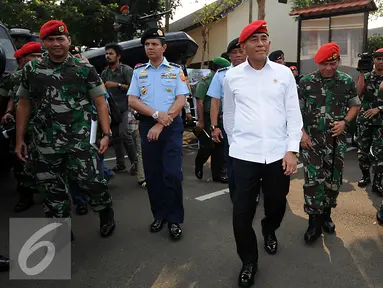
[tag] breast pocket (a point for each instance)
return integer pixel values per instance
(169, 87)
(169, 82)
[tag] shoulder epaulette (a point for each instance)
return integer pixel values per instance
(174, 64)
(222, 69)
(139, 65)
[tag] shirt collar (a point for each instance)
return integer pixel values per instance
(269, 63)
(69, 61)
(164, 62)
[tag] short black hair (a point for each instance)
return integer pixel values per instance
(226, 56)
(116, 47)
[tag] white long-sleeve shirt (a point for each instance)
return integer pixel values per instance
(261, 115)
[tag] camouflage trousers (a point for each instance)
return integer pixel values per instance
(364, 141)
(376, 151)
(321, 187)
(55, 170)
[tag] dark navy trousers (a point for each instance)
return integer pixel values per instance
(163, 169)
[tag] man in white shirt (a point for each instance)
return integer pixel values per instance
(263, 122)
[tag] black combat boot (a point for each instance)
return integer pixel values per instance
(377, 184)
(327, 224)
(107, 223)
(366, 178)
(314, 231)
(26, 199)
(379, 215)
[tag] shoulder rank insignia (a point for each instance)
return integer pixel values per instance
(174, 64)
(139, 65)
(223, 69)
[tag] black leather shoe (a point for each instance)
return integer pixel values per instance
(24, 204)
(379, 215)
(4, 264)
(328, 225)
(246, 276)
(157, 226)
(377, 186)
(271, 243)
(175, 231)
(107, 223)
(198, 172)
(82, 209)
(314, 231)
(365, 180)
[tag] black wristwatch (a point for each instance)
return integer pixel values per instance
(119, 86)
(106, 135)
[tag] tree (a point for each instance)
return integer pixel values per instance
(212, 13)
(374, 42)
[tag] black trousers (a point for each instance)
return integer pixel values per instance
(275, 187)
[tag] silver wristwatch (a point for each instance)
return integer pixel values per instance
(155, 115)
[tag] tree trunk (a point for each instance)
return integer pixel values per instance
(204, 43)
(261, 9)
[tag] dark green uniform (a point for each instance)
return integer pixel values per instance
(322, 102)
(61, 97)
(370, 130)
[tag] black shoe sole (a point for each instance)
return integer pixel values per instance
(327, 230)
(105, 235)
(311, 240)
(156, 230)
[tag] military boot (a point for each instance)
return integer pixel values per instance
(365, 180)
(314, 231)
(327, 224)
(107, 223)
(377, 184)
(379, 215)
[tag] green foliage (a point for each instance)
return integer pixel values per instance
(90, 22)
(375, 42)
(215, 11)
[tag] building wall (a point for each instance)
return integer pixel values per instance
(217, 41)
(237, 20)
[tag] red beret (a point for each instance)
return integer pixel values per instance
(258, 26)
(380, 50)
(28, 48)
(124, 7)
(327, 52)
(293, 67)
(53, 27)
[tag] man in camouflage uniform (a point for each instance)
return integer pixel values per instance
(124, 31)
(56, 96)
(370, 124)
(206, 150)
(329, 101)
(25, 179)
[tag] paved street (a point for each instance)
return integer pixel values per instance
(206, 255)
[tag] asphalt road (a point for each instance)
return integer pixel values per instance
(206, 256)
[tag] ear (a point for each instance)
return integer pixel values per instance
(70, 40)
(164, 47)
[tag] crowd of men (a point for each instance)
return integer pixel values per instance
(58, 96)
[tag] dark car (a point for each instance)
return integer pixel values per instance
(181, 47)
(21, 36)
(8, 47)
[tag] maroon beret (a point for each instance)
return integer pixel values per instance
(124, 7)
(258, 26)
(53, 27)
(327, 52)
(28, 48)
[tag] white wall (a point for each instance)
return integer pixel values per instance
(237, 20)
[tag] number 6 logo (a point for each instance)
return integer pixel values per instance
(31, 246)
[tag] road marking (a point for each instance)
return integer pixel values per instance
(212, 195)
(225, 191)
(114, 158)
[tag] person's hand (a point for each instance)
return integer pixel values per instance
(7, 117)
(164, 119)
(21, 151)
(371, 113)
(306, 141)
(338, 127)
(289, 163)
(110, 84)
(217, 135)
(200, 124)
(189, 116)
(104, 143)
(154, 132)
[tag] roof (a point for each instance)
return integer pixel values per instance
(190, 21)
(336, 7)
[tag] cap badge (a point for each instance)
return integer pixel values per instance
(159, 32)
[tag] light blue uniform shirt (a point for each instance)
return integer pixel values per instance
(158, 87)
(216, 85)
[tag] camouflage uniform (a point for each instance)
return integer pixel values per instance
(367, 127)
(322, 102)
(61, 98)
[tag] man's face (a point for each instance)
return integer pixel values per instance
(125, 12)
(295, 71)
(328, 69)
(154, 48)
(257, 47)
(31, 57)
(111, 56)
(378, 63)
(57, 46)
(281, 60)
(237, 56)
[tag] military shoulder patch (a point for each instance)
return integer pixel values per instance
(223, 69)
(175, 65)
(139, 65)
